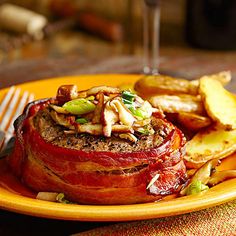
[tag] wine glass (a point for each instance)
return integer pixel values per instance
(151, 31)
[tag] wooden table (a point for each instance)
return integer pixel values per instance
(187, 65)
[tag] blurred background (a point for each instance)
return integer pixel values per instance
(107, 28)
(87, 28)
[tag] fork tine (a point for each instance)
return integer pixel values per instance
(6, 99)
(31, 97)
(7, 115)
(20, 107)
(26, 98)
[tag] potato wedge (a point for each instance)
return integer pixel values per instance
(177, 104)
(213, 142)
(162, 84)
(220, 104)
(193, 121)
(224, 77)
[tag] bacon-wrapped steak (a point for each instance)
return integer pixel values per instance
(99, 156)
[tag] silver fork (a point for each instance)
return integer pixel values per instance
(10, 108)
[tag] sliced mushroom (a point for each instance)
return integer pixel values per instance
(98, 109)
(47, 196)
(147, 107)
(69, 131)
(63, 120)
(106, 98)
(141, 123)
(59, 109)
(95, 129)
(129, 137)
(147, 130)
(125, 115)
(82, 94)
(203, 174)
(191, 172)
(122, 129)
(103, 89)
(110, 117)
(220, 176)
(139, 100)
(110, 97)
(66, 93)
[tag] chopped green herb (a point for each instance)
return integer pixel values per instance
(102, 138)
(61, 198)
(128, 95)
(128, 98)
(144, 131)
(78, 135)
(139, 113)
(143, 112)
(79, 106)
(81, 120)
(90, 98)
(196, 187)
(127, 102)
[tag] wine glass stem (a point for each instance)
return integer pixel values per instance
(151, 31)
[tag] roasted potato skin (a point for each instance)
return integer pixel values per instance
(220, 104)
(178, 103)
(204, 111)
(192, 121)
(212, 142)
(162, 84)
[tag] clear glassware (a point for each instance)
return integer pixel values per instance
(151, 31)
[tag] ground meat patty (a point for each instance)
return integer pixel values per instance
(54, 133)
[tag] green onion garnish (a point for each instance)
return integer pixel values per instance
(79, 106)
(126, 94)
(144, 131)
(139, 113)
(196, 187)
(90, 98)
(61, 198)
(128, 97)
(81, 120)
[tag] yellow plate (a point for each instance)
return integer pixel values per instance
(15, 197)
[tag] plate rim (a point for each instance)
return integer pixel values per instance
(103, 213)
